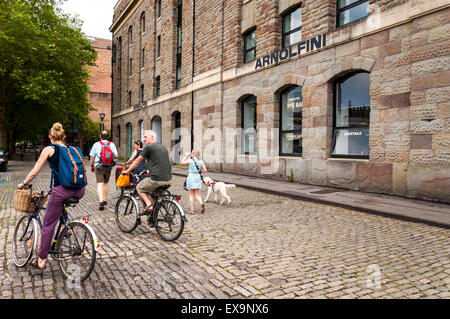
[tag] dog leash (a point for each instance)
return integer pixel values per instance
(201, 176)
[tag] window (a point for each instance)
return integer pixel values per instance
(292, 27)
(143, 58)
(129, 98)
(291, 122)
(143, 22)
(249, 125)
(351, 116)
(351, 10)
(179, 33)
(250, 46)
(130, 67)
(156, 127)
(158, 46)
(158, 86)
(130, 36)
(141, 129)
(142, 93)
(158, 8)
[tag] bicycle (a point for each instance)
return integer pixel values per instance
(74, 247)
(167, 215)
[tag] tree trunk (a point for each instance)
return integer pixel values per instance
(3, 130)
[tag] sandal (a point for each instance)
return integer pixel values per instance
(203, 208)
(192, 212)
(34, 262)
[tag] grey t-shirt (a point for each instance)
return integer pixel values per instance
(157, 158)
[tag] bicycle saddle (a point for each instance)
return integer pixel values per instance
(71, 201)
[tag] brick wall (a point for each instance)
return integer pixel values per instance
(408, 65)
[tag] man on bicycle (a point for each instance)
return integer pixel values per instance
(157, 158)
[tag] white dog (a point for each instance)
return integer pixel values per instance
(217, 188)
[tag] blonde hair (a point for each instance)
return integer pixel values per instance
(57, 132)
(196, 153)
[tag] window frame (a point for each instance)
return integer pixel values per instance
(280, 129)
(179, 31)
(158, 46)
(158, 8)
(284, 33)
(158, 86)
(348, 7)
(333, 140)
(255, 123)
(246, 50)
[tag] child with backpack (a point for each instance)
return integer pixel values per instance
(68, 178)
(102, 157)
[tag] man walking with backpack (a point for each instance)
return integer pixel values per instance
(102, 157)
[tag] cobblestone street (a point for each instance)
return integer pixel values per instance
(260, 246)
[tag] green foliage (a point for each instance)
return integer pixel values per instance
(44, 61)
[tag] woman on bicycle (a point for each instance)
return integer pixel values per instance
(58, 193)
(141, 167)
(194, 178)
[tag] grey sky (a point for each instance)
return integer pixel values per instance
(95, 14)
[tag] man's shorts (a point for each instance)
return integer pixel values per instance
(147, 185)
(102, 174)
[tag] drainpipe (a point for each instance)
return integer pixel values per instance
(221, 87)
(193, 61)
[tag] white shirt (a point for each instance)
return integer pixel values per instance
(96, 149)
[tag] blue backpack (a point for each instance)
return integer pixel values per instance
(72, 172)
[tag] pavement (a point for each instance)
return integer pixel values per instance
(421, 211)
(261, 246)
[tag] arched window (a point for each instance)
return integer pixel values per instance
(156, 127)
(351, 116)
(129, 129)
(141, 130)
(130, 35)
(142, 22)
(248, 145)
(176, 136)
(291, 107)
(292, 27)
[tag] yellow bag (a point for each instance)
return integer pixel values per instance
(123, 180)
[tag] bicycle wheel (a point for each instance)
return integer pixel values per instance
(169, 223)
(126, 213)
(25, 239)
(75, 252)
(119, 191)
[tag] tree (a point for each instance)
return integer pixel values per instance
(44, 61)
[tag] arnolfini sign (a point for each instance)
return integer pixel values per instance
(296, 49)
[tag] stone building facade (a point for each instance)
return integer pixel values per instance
(350, 94)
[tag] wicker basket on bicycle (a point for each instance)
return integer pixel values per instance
(25, 200)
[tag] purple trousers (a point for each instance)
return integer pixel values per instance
(53, 213)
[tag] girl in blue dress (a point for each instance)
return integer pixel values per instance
(194, 178)
(142, 166)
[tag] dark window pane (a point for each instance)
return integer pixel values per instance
(354, 13)
(292, 38)
(250, 40)
(353, 142)
(249, 125)
(344, 3)
(293, 20)
(353, 101)
(291, 143)
(250, 56)
(292, 105)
